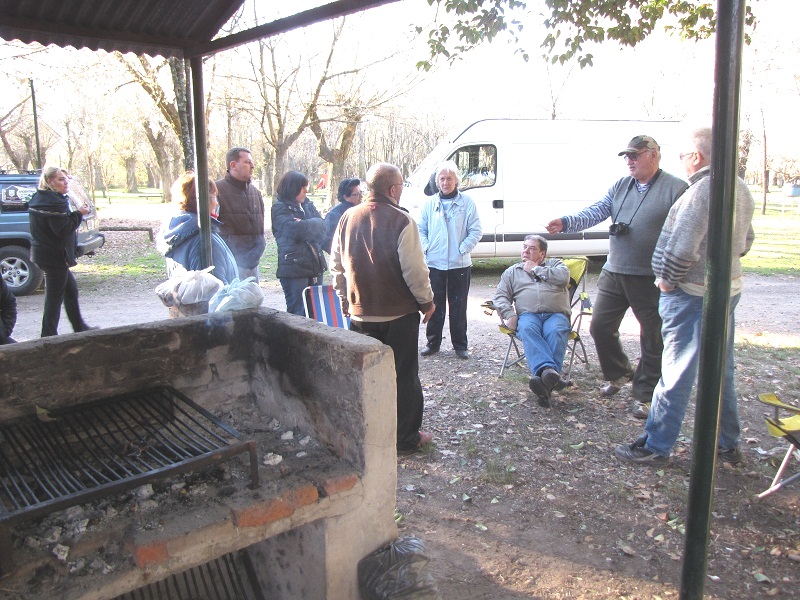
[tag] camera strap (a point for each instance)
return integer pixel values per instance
(632, 182)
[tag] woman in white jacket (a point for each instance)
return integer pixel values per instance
(449, 228)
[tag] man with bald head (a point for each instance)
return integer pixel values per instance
(379, 272)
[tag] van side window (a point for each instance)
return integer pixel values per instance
(478, 165)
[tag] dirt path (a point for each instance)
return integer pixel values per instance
(517, 501)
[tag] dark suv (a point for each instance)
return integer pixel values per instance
(21, 274)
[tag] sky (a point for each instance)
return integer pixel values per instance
(662, 78)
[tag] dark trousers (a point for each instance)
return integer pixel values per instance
(60, 288)
(293, 292)
(450, 292)
(401, 336)
(615, 294)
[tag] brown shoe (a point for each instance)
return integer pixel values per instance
(615, 385)
(640, 410)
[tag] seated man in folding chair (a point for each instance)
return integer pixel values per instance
(532, 298)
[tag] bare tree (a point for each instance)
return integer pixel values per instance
(9, 123)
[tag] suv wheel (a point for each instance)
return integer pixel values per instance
(22, 276)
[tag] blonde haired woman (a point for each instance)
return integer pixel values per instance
(54, 230)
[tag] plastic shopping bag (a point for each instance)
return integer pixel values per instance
(397, 572)
(237, 295)
(188, 287)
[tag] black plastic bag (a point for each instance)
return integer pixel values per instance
(397, 572)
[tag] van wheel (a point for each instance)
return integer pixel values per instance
(21, 275)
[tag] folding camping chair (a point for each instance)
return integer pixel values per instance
(322, 304)
(787, 428)
(578, 297)
(577, 271)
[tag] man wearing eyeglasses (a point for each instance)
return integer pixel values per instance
(379, 272)
(637, 206)
(532, 299)
(679, 263)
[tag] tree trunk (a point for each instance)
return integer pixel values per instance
(158, 142)
(178, 69)
(130, 172)
(745, 141)
(765, 179)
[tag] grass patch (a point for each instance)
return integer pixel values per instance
(499, 473)
(775, 250)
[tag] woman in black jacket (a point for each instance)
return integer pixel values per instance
(53, 228)
(299, 231)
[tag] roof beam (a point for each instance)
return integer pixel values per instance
(339, 8)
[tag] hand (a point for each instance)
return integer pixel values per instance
(84, 209)
(555, 226)
(665, 287)
(427, 315)
(511, 323)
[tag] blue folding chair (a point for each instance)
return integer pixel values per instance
(323, 305)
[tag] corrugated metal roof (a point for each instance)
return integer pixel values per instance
(180, 28)
(155, 27)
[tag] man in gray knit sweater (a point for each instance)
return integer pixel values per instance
(679, 263)
(637, 206)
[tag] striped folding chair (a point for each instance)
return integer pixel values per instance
(323, 305)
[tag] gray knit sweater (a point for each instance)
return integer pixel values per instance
(680, 255)
(643, 208)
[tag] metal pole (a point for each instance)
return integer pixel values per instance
(722, 206)
(36, 127)
(201, 159)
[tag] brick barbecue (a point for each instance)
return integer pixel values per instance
(318, 402)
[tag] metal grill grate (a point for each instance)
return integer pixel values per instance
(230, 577)
(89, 451)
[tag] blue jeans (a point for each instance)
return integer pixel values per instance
(682, 315)
(544, 337)
(293, 292)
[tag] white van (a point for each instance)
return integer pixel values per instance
(522, 173)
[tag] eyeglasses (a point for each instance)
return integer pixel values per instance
(634, 157)
(683, 155)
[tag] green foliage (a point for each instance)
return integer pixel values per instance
(571, 24)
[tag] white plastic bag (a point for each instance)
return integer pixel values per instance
(237, 295)
(188, 287)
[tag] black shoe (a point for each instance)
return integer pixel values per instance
(542, 392)
(732, 456)
(86, 327)
(551, 378)
(428, 351)
(462, 354)
(636, 454)
(562, 384)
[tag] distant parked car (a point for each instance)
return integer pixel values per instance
(20, 273)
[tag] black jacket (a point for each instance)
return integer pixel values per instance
(299, 231)
(54, 230)
(8, 311)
